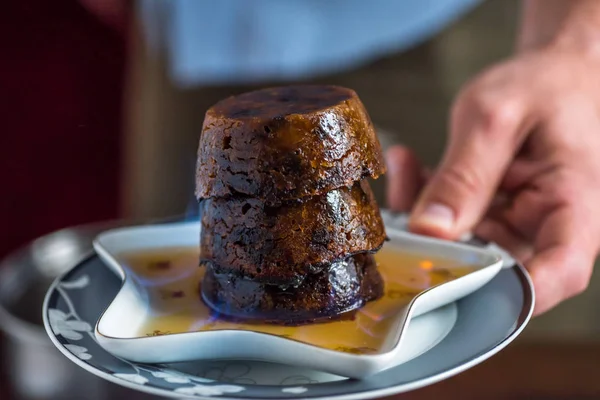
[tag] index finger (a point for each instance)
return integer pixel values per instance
(485, 135)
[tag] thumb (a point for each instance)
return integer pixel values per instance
(483, 141)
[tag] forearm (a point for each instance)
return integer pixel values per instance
(570, 23)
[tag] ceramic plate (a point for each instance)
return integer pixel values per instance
(158, 317)
(481, 324)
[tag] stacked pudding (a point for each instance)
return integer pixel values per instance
(289, 221)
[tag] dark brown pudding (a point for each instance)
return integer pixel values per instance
(281, 245)
(286, 143)
(289, 222)
(344, 286)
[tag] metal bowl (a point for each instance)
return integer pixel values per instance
(35, 368)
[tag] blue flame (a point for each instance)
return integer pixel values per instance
(192, 210)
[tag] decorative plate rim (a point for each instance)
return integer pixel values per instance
(520, 323)
(408, 311)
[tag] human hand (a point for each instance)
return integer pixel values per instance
(522, 169)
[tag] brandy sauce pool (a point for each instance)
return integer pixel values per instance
(171, 277)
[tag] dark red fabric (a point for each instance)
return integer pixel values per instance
(61, 85)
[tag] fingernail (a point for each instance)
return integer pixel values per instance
(436, 216)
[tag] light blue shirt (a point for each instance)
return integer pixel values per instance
(250, 41)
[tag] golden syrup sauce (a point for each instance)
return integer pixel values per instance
(172, 276)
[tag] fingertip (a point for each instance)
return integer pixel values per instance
(434, 219)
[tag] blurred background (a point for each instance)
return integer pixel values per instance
(95, 128)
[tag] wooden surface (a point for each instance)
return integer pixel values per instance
(530, 370)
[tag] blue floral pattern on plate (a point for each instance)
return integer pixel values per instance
(491, 318)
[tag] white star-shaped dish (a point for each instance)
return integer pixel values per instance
(158, 317)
